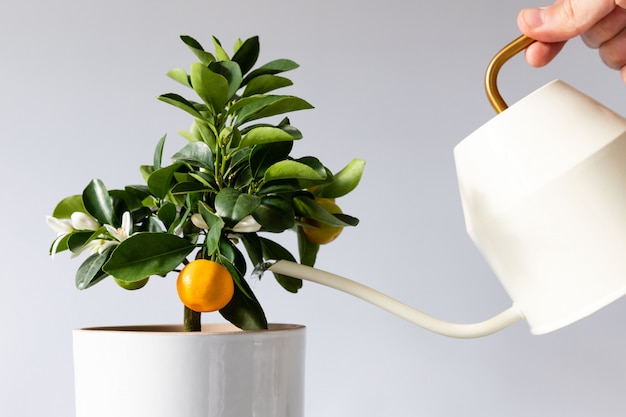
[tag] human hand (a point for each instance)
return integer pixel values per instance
(600, 23)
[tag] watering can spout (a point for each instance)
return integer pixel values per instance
(462, 331)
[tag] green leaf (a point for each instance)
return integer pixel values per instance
(206, 133)
(180, 75)
(275, 214)
(316, 165)
(308, 207)
(264, 156)
(212, 88)
(121, 201)
(187, 187)
(288, 186)
(252, 243)
(98, 203)
(188, 135)
(265, 134)
(295, 133)
(230, 137)
(243, 179)
(220, 53)
(140, 191)
(272, 250)
(284, 105)
(160, 181)
(180, 102)
(265, 83)
(146, 171)
(231, 71)
(61, 246)
(205, 179)
(225, 201)
(247, 106)
(244, 311)
(167, 214)
(247, 53)
(343, 182)
(346, 219)
(199, 132)
(273, 67)
(204, 56)
(146, 254)
(257, 107)
(90, 272)
(124, 200)
(197, 154)
(237, 45)
(69, 205)
(232, 255)
(238, 160)
(157, 159)
(306, 249)
(78, 239)
(291, 169)
(233, 205)
(216, 225)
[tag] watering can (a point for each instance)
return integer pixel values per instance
(543, 190)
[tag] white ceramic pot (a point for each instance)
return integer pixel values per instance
(161, 371)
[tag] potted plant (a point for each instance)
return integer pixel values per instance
(206, 217)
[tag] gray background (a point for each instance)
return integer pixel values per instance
(398, 83)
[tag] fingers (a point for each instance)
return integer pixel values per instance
(613, 51)
(539, 54)
(600, 23)
(609, 36)
(563, 20)
(606, 28)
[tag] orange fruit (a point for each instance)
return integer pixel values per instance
(322, 233)
(205, 285)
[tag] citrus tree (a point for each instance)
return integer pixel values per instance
(226, 191)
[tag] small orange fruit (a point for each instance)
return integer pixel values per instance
(322, 233)
(205, 285)
(135, 285)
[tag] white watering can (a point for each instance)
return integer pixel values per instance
(543, 187)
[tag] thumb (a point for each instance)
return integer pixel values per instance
(563, 20)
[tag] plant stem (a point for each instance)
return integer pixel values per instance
(191, 320)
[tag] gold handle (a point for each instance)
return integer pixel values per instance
(494, 66)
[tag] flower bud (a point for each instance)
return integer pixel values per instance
(226, 135)
(198, 221)
(61, 226)
(247, 225)
(83, 221)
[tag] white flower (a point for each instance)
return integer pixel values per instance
(83, 221)
(92, 246)
(121, 233)
(247, 225)
(63, 227)
(106, 244)
(198, 221)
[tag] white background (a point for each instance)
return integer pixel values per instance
(397, 83)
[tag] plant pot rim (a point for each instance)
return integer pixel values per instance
(208, 328)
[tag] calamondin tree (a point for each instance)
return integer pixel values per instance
(225, 193)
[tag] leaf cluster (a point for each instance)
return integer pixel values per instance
(224, 193)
